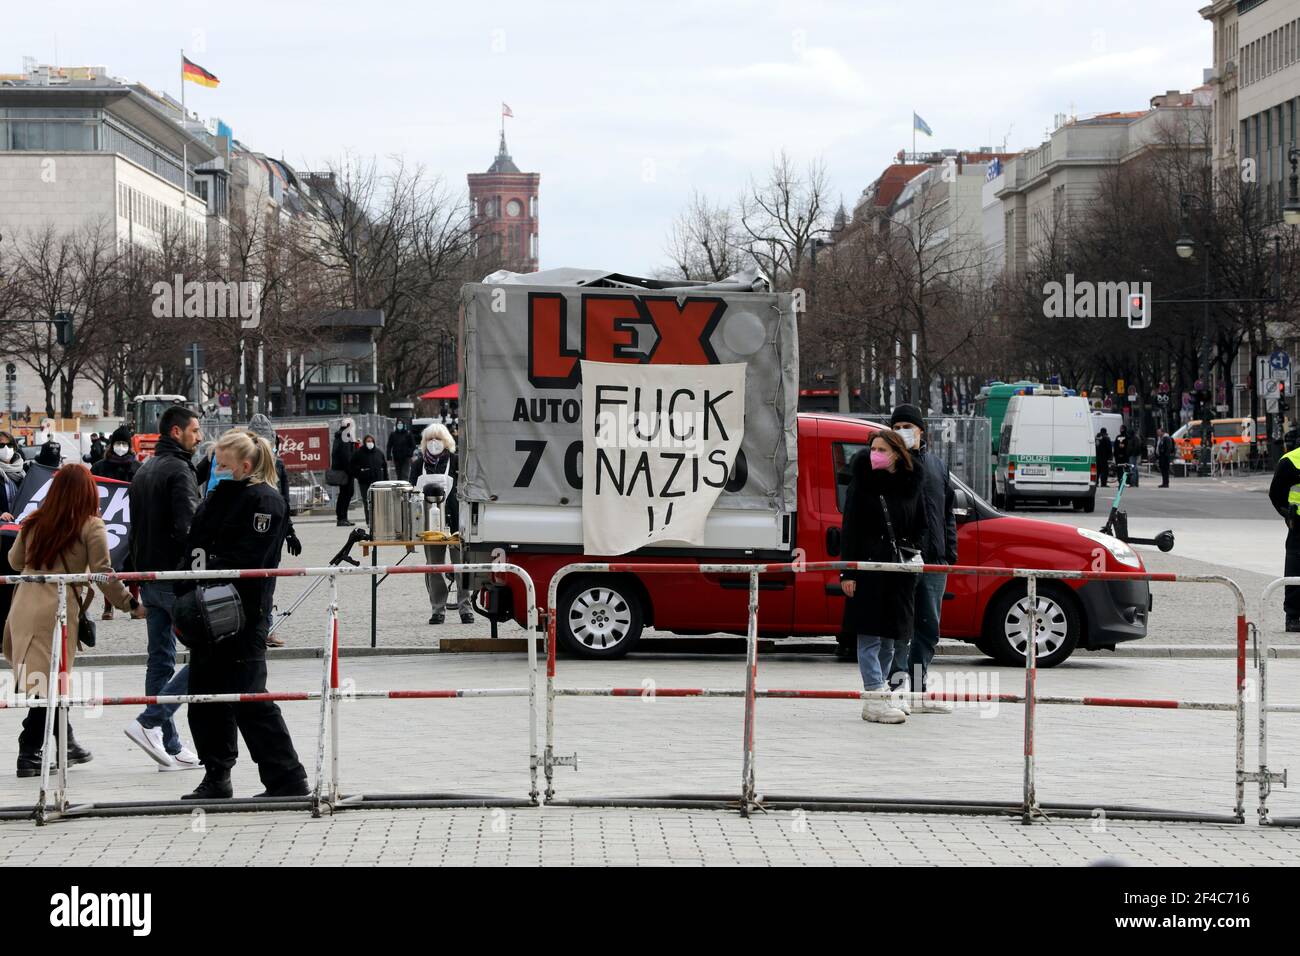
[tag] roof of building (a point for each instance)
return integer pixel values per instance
(503, 163)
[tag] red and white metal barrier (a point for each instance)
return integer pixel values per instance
(1264, 777)
(748, 798)
(325, 794)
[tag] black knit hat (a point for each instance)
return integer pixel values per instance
(907, 414)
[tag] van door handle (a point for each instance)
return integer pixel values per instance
(833, 541)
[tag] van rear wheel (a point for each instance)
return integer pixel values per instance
(599, 617)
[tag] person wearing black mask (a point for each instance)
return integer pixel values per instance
(241, 524)
(367, 467)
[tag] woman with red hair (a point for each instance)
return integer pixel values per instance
(65, 535)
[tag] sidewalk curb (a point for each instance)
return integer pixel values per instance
(517, 645)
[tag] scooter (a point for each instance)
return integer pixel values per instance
(1117, 522)
(343, 557)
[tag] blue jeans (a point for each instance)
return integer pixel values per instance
(158, 598)
(874, 657)
(914, 656)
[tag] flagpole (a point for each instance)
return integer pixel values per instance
(185, 155)
(913, 135)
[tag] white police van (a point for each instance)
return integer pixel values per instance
(1046, 452)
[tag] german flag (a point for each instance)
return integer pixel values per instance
(196, 74)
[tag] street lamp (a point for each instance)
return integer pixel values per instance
(1291, 208)
(1185, 246)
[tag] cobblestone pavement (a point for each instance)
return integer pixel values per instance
(562, 836)
(1169, 759)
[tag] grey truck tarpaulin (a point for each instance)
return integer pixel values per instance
(523, 338)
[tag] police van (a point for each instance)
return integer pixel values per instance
(1046, 452)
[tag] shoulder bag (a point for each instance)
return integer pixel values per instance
(902, 553)
(86, 633)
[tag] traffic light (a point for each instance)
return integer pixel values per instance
(1282, 405)
(65, 332)
(1139, 311)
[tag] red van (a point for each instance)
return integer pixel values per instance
(602, 615)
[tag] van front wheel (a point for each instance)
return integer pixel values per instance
(1007, 625)
(599, 618)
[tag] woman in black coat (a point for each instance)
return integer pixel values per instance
(880, 610)
(368, 465)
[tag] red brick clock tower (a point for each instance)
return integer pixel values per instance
(505, 212)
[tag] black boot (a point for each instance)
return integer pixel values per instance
(296, 787)
(213, 787)
(29, 764)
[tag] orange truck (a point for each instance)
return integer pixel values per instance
(1239, 431)
(148, 411)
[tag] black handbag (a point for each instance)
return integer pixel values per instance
(86, 633)
(903, 554)
(208, 615)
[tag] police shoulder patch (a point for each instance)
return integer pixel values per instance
(261, 522)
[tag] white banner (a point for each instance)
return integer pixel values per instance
(659, 443)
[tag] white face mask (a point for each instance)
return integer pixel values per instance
(119, 449)
(370, 444)
(908, 435)
(436, 447)
(7, 453)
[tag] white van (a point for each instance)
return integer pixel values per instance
(1111, 421)
(1047, 452)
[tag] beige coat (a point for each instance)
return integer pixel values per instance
(29, 631)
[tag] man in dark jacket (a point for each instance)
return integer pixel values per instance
(1164, 455)
(938, 546)
(1103, 457)
(164, 495)
(97, 448)
(401, 446)
(1284, 493)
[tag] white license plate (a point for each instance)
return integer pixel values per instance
(1034, 471)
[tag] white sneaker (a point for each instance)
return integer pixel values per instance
(899, 699)
(934, 707)
(150, 740)
(184, 759)
(882, 712)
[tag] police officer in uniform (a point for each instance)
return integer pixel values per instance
(1284, 492)
(241, 524)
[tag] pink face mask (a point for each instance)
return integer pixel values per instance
(881, 460)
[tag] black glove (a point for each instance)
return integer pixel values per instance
(294, 545)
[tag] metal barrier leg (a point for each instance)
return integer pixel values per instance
(335, 741)
(1031, 808)
(747, 788)
(548, 758)
(1240, 806)
(49, 734)
(329, 651)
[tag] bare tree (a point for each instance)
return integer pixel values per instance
(780, 216)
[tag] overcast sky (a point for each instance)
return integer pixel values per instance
(624, 108)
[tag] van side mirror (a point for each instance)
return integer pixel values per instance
(962, 506)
